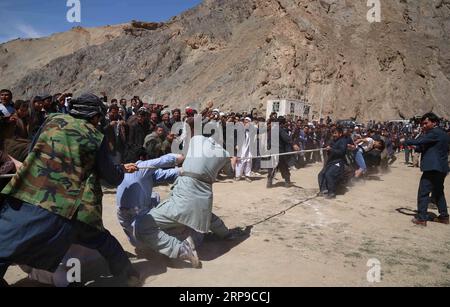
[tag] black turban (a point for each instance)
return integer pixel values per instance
(87, 106)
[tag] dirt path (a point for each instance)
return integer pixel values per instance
(318, 243)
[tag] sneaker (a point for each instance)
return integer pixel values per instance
(248, 179)
(188, 253)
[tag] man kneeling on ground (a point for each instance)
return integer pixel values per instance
(188, 210)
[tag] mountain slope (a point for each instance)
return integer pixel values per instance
(240, 53)
(19, 57)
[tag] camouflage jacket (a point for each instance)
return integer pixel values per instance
(59, 173)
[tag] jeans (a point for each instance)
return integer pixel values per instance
(359, 157)
(127, 217)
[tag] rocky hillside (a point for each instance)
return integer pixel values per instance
(240, 53)
(19, 57)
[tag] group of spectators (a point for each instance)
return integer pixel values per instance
(132, 126)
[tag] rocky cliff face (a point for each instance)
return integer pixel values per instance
(19, 57)
(240, 53)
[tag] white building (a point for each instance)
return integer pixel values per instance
(289, 107)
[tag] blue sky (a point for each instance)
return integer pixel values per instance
(36, 18)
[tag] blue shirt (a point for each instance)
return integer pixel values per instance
(136, 189)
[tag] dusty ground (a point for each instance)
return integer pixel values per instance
(317, 243)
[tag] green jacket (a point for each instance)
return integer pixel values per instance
(59, 174)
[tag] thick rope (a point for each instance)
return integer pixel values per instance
(284, 211)
(249, 158)
(282, 154)
(7, 176)
(12, 175)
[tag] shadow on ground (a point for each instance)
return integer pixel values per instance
(411, 212)
(214, 248)
(148, 263)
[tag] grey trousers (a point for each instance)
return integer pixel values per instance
(165, 235)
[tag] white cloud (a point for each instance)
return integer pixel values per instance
(14, 30)
(28, 30)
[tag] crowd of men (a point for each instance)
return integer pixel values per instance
(132, 125)
(74, 143)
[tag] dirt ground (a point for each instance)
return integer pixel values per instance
(317, 243)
